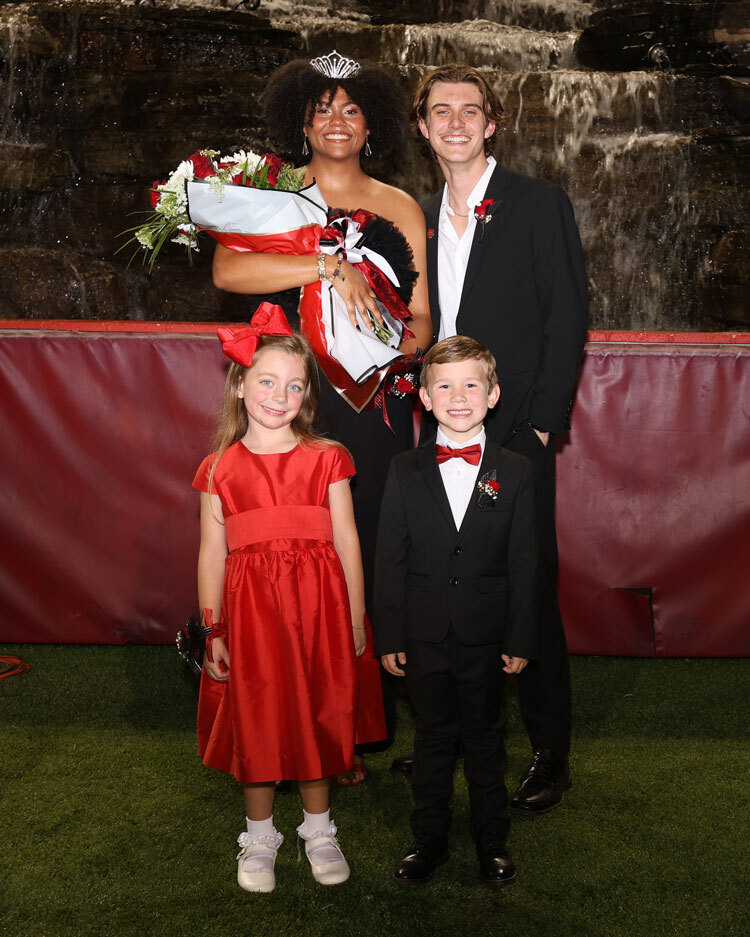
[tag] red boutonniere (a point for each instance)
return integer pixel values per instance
(480, 212)
(488, 486)
(483, 215)
(430, 232)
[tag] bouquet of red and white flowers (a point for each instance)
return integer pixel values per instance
(259, 203)
(171, 218)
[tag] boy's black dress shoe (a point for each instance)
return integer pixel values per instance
(495, 865)
(418, 865)
(403, 764)
(542, 786)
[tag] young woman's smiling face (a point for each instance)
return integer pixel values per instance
(274, 388)
(338, 126)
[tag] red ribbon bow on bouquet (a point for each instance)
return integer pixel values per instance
(240, 344)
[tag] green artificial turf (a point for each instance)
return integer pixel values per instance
(110, 825)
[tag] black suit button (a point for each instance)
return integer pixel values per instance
(457, 551)
(454, 581)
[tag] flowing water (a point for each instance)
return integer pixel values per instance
(99, 98)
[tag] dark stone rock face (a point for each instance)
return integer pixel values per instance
(694, 35)
(101, 98)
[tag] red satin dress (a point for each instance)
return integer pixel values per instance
(290, 708)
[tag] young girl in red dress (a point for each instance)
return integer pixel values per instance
(280, 583)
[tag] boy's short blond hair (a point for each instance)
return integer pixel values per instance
(458, 348)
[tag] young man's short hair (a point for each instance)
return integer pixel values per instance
(457, 74)
(458, 348)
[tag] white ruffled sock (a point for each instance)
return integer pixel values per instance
(260, 845)
(314, 823)
(260, 827)
(315, 826)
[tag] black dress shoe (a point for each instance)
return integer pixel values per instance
(542, 786)
(418, 865)
(495, 865)
(403, 764)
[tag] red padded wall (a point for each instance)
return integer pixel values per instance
(654, 494)
(102, 433)
(101, 437)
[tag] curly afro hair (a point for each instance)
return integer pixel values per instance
(295, 86)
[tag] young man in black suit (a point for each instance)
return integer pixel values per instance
(505, 266)
(456, 603)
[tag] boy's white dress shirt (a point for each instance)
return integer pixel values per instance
(459, 476)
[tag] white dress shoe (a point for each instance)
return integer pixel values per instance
(329, 867)
(256, 859)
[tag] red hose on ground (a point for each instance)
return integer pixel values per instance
(12, 666)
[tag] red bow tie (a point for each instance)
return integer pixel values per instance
(471, 454)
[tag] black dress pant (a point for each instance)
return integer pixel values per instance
(456, 691)
(544, 685)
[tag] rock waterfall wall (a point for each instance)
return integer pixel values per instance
(640, 110)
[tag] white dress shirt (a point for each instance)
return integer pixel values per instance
(453, 251)
(459, 476)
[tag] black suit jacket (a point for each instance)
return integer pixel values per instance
(481, 579)
(524, 297)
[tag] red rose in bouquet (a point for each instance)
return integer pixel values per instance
(155, 193)
(203, 166)
(274, 164)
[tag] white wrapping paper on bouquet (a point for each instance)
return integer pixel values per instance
(243, 210)
(359, 351)
(285, 219)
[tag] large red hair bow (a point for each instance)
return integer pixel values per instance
(240, 344)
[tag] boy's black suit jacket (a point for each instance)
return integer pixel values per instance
(524, 297)
(480, 580)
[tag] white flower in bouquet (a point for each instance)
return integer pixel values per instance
(188, 238)
(169, 218)
(145, 238)
(244, 161)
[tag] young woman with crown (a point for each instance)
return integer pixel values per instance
(337, 112)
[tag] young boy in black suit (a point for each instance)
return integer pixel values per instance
(456, 603)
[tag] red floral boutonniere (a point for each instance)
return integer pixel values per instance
(483, 214)
(489, 487)
(430, 233)
(480, 212)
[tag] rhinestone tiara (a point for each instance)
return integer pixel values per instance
(335, 65)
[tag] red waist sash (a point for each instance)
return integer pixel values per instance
(299, 521)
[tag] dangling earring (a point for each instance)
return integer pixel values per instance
(305, 150)
(368, 151)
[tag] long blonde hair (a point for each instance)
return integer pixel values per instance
(233, 420)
